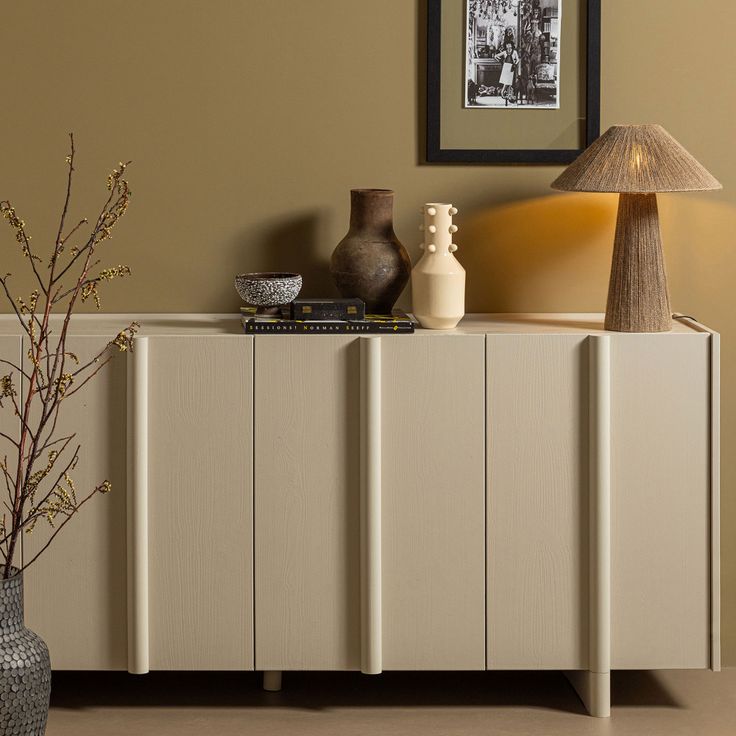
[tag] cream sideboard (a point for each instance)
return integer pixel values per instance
(523, 492)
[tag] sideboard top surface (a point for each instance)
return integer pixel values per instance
(229, 324)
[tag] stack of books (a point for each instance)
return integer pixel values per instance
(325, 317)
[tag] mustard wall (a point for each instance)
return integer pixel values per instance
(248, 122)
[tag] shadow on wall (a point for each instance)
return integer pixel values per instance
(295, 244)
(550, 254)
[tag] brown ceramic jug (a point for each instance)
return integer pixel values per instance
(369, 262)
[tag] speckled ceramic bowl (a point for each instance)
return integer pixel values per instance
(267, 291)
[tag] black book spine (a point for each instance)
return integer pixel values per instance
(326, 328)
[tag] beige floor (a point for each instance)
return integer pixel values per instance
(435, 704)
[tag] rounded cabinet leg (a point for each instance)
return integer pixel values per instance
(272, 681)
(594, 689)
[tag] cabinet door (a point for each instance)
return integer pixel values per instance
(537, 501)
(307, 502)
(433, 502)
(76, 592)
(200, 502)
(660, 510)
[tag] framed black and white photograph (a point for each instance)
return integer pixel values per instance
(512, 81)
(512, 54)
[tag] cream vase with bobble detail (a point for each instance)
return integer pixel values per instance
(438, 279)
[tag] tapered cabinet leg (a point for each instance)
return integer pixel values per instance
(594, 689)
(272, 681)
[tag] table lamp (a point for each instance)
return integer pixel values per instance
(636, 161)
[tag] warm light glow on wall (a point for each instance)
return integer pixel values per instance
(545, 254)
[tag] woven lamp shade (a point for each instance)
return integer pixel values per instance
(636, 159)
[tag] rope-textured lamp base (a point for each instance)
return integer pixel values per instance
(637, 293)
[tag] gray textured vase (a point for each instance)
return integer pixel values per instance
(25, 667)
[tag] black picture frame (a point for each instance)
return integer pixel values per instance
(436, 154)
